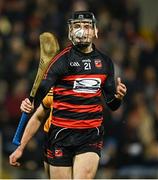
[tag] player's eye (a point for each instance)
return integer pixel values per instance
(77, 26)
(87, 26)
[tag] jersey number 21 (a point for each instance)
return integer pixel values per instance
(87, 66)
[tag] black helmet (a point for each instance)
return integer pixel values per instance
(82, 16)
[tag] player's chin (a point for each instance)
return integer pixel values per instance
(82, 45)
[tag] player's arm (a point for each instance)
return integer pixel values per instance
(53, 74)
(33, 125)
(113, 94)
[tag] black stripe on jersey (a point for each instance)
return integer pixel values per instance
(77, 100)
(76, 115)
(65, 84)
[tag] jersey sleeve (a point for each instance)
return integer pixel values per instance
(109, 89)
(55, 71)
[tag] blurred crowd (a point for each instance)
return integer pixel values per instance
(131, 133)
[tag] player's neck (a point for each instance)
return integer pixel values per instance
(87, 49)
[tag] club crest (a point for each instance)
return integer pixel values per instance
(98, 63)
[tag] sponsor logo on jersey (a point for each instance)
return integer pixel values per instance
(87, 85)
(76, 64)
(86, 60)
(98, 63)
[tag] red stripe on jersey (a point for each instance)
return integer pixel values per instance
(64, 92)
(48, 156)
(77, 108)
(79, 124)
(73, 77)
(56, 58)
(49, 151)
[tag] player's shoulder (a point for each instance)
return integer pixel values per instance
(63, 52)
(104, 56)
(60, 57)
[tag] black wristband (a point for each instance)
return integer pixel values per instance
(114, 103)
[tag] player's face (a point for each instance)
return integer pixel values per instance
(82, 32)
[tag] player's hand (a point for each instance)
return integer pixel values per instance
(27, 106)
(120, 89)
(14, 157)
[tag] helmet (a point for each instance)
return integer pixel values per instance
(82, 15)
(79, 33)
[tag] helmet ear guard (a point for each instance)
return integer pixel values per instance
(95, 31)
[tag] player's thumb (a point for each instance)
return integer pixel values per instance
(118, 80)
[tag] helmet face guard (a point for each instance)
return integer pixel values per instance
(82, 28)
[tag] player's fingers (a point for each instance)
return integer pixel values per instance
(12, 159)
(16, 164)
(26, 110)
(122, 85)
(121, 91)
(22, 107)
(26, 104)
(28, 101)
(26, 107)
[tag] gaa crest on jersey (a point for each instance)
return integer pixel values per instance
(76, 64)
(98, 63)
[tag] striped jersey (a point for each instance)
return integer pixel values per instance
(78, 81)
